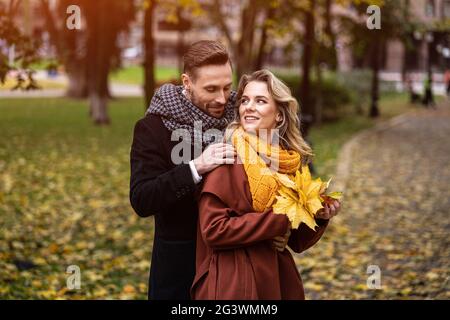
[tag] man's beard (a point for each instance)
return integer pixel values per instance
(206, 106)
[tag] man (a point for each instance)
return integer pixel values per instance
(428, 98)
(162, 186)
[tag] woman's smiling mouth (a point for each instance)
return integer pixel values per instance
(250, 118)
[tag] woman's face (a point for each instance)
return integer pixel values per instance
(257, 109)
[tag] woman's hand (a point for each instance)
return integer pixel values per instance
(280, 243)
(329, 210)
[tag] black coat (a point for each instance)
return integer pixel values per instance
(166, 191)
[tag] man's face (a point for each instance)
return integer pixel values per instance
(210, 89)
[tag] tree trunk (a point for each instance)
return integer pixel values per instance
(99, 108)
(98, 60)
(259, 61)
(245, 44)
(149, 60)
(67, 45)
(404, 40)
(77, 77)
(305, 89)
(330, 33)
(430, 73)
(180, 51)
(376, 45)
(180, 42)
(319, 101)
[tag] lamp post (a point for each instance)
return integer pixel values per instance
(429, 99)
(429, 39)
(428, 84)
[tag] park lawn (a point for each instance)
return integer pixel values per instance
(127, 75)
(64, 197)
(64, 201)
(135, 74)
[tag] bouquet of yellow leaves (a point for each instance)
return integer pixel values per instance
(300, 197)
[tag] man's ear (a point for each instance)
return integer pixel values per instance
(186, 80)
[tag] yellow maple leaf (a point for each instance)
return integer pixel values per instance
(300, 197)
(335, 195)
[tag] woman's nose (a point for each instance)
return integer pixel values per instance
(250, 106)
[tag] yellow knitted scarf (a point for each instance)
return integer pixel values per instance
(261, 162)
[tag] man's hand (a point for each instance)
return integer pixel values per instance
(213, 156)
(280, 243)
(329, 210)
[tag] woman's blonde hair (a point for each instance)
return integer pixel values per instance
(289, 128)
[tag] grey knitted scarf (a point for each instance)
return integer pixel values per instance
(178, 112)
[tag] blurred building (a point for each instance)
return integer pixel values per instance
(172, 38)
(431, 46)
(420, 50)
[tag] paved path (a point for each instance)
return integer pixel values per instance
(117, 89)
(395, 215)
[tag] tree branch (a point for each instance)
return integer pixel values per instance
(51, 25)
(13, 7)
(217, 13)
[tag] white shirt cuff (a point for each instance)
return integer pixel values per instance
(197, 178)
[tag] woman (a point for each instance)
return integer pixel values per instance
(240, 241)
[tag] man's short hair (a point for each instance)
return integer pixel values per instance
(203, 53)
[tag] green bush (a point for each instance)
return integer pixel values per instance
(358, 82)
(334, 94)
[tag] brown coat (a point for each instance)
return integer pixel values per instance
(235, 258)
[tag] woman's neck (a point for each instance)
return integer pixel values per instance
(268, 136)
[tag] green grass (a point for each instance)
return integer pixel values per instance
(134, 74)
(64, 196)
(64, 201)
(128, 75)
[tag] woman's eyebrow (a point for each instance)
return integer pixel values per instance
(256, 97)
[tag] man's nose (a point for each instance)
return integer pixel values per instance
(221, 98)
